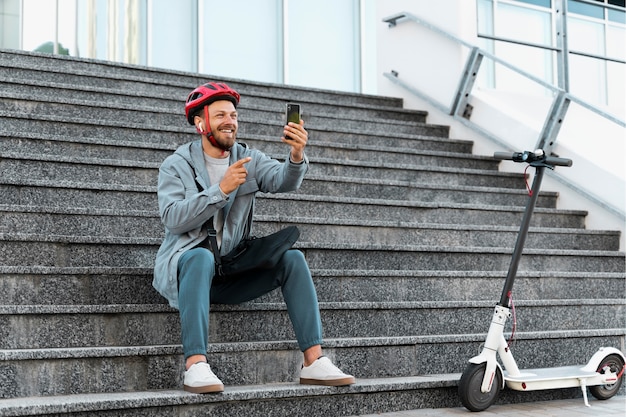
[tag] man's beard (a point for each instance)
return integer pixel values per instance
(225, 141)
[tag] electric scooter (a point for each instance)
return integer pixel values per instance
(484, 377)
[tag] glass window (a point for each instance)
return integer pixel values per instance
(526, 25)
(520, 23)
(38, 24)
(112, 30)
(485, 16)
(132, 31)
(39, 29)
(585, 9)
(241, 39)
(92, 22)
(617, 16)
(616, 78)
(323, 44)
(587, 79)
(615, 36)
(10, 24)
(173, 35)
(542, 3)
(587, 76)
(585, 36)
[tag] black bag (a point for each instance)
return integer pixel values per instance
(257, 252)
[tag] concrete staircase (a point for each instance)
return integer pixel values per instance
(407, 233)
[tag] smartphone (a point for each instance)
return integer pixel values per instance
(293, 113)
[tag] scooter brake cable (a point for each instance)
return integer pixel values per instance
(530, 191)
(512, 338)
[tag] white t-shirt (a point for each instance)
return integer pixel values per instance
(216, 167)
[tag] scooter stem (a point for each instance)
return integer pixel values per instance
(505, 298)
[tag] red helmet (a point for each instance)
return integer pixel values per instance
(207, 94)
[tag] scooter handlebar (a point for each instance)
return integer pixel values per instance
(562, 162)
(505, 156)
(532, 157)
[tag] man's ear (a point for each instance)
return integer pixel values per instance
(199, 122)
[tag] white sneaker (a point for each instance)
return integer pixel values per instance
(199, 379)
(323, 372)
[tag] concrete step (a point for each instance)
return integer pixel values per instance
(355, 256)
(314, 183)
(399, 192)
(53, 100)
(279, 400)
(95, 286)
(32, 142)
(336, 155)
(48, 372)
(255, 119)
(413, 285)
(367, 397)
(122, 198)
(77, 193)
(338, 164)
(109, 132)
(133, 197)
(168, 98)
(139, 252)
(453, 235)
(62, 326)
(444, 193)
(417, 212)
(125, 109)
(411, 152)
(155, 82)
(14, 166)
(16, 219)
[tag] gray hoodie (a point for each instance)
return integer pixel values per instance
(184, 210)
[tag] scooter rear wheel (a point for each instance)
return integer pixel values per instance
(469, 387)
(603, 392)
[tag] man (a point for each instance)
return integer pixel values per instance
(216, 177)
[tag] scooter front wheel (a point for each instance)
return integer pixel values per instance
(469, 387)
(612, 363)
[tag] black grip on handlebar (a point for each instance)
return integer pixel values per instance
(562, 162)
(502, 156)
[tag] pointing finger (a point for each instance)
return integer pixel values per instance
(242, 161)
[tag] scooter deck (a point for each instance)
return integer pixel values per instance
(553, 378)
(548, 374)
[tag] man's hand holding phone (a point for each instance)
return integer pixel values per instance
(294, 133)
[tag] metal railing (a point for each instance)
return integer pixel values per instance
(461, 109)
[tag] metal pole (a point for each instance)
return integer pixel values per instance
(521, 237)
(561, 43)
(56, 28)
(285, 40)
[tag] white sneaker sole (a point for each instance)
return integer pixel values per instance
(204, 389)
(328, 382)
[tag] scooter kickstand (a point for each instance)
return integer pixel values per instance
(583, 386)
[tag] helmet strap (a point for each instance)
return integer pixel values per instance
(208, 132)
